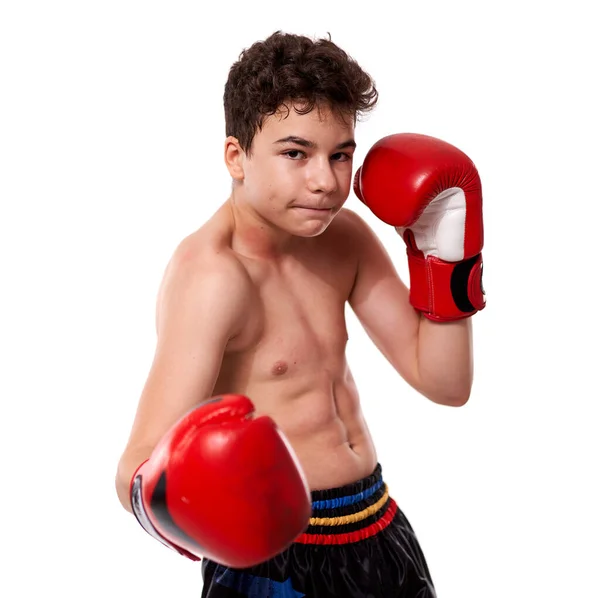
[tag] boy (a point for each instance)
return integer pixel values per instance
(253, 302)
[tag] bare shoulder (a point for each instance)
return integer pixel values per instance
(207, 252)
(205, 270)
(204, 252)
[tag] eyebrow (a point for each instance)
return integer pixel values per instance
(312, 144)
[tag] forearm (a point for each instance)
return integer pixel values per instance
(445, 360)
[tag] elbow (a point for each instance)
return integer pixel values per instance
(459, 399)
(122, 484)
(455, 399)
(131, 460)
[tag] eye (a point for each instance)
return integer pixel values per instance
(294, 154)
(341, 157)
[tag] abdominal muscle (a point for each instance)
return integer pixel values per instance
(332, 457)
(324, 426)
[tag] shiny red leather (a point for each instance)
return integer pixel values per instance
(401, 179)
(224, 485)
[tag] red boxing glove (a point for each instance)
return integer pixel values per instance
(223, 485)
(431, 192)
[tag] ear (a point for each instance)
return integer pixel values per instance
(234, 158)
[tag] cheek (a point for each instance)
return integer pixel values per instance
(344, 179)
(286, 170)
(271, 183)
(257, 182)
(269, 189)
(282, 179)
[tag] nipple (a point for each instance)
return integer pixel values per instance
(279, 368)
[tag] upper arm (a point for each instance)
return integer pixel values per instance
(200, 306)
(380, 301)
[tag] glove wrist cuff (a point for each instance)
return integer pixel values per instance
(446, 291)
(139, 510)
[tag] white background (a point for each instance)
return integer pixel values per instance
(111, 137)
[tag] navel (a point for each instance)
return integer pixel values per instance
(279, 368)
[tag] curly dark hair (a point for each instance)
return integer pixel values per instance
(289, 69)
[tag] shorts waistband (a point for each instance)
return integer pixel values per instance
(350, 513)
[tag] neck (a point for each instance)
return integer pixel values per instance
(254, 236)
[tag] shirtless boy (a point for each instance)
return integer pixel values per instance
(252, 303)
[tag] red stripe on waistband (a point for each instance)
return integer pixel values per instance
(355, 536)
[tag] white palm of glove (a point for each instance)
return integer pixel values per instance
(440, 229)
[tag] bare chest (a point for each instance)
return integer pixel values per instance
(296, 327)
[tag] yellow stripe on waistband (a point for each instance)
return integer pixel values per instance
(355, 516)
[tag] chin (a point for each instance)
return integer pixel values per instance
(310, 225)
(314, 230)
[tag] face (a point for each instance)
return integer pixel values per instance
(299, 173)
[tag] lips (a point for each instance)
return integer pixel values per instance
(311, 208)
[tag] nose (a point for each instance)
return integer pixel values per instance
(321, 178)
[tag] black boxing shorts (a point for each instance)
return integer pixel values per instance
(359, 544)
